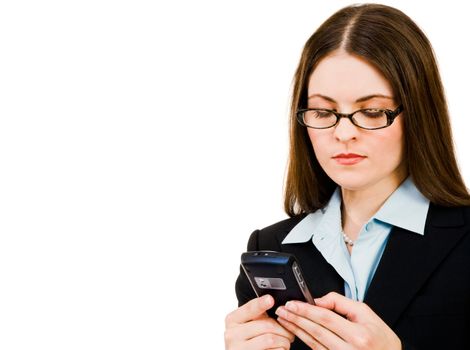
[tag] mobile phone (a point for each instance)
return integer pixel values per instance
(277, 274)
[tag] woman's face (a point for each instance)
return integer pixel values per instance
(354, 158)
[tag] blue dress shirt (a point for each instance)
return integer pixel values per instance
(406, 208)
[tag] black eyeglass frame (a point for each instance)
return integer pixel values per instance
(391, 115)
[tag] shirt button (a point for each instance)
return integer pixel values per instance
(369, 226)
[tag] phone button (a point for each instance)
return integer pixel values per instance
(297, 273)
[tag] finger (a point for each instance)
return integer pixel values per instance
(252, 310)
(301, 334)
(352, 310)
(245, 332)
(267, 341)
(324, 317)
(256, 328)
(298, 314)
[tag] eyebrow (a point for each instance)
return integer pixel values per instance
(360, 99)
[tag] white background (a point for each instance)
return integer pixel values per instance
(141, 143)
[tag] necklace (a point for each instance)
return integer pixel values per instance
(348, 240)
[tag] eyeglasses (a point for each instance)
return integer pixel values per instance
(369, 118)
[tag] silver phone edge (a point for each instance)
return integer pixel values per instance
(303, 286)
(249, 279)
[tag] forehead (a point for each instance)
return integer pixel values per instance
(346, 77)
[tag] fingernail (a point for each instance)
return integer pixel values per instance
(291, 306)
(281, 312)
(267, 300)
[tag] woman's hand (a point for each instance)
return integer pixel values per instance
(322, 326)
(250, 328)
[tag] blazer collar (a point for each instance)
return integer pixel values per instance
(409, 260)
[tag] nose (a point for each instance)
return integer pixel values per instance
(345, 130)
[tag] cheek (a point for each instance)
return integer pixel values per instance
(320, 140)
(389, 146)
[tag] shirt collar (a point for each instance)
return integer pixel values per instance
(319, 222)
(406, 208)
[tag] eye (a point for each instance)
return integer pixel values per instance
(373, 113)
(322, 113)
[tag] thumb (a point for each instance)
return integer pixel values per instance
(251, 310)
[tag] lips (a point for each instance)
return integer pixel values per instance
(348, 158)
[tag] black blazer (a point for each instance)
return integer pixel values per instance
(421, 287)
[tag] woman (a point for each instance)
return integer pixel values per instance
(379, 216)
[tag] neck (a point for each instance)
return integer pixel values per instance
(358, 206)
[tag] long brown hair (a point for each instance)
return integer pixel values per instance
(391, 41)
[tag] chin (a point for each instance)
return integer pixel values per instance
(352, 182)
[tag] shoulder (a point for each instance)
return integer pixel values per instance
(448, 216)
(270, 237)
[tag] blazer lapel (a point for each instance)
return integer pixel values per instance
(409, 259)
(320, 276)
